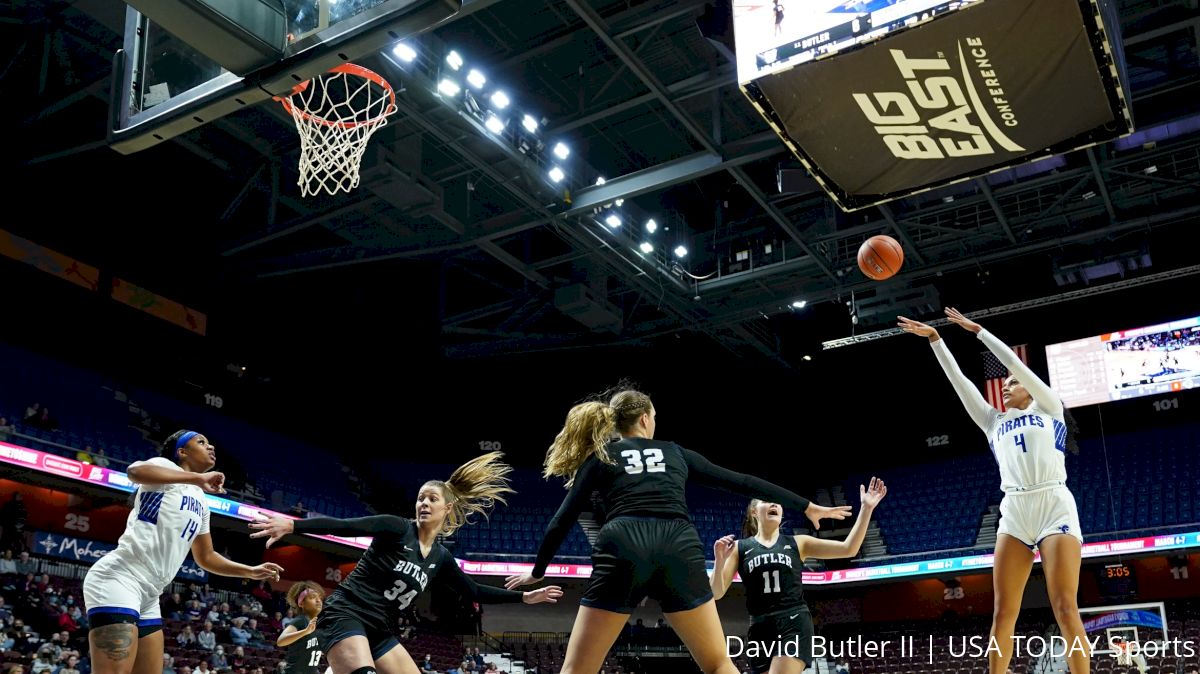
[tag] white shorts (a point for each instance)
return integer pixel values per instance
(107, 591)
(1031, 516)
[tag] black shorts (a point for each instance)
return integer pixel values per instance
(335, 624)
(788, 633)
(639, 557)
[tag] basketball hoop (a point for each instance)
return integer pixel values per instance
(336, 113)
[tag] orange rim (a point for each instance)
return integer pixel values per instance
(347, 69)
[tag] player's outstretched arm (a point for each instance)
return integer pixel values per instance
(213, 562)
(977, 407)
(712, 475)
(161, 471)
(725, 551)
(275, 528)
(1045, 396)
(465, 586)
(811, 546)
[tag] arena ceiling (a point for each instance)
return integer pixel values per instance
(643, 100)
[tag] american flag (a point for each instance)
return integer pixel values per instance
(994, 374)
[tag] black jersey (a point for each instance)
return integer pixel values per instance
(771, 575)
(392, 572)
(304, 655)
(648, 479)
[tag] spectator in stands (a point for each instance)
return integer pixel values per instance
(460, 669)
(5, 613)
(238, 634)
(262, 591)
(78, 616)
(238, 659)
(202, 668)
(173, 606)
(280, 667)
(275, 623)
(8, 565)
(207, 639)
(427, 664)
(218, 659)
(291, 617)
(84, 455)
(45, 421)
(206, 596)
(168, 664)
(44, 662)
(100, 458)
(44, 583)
(478, 658)
(257, 639)
(195, 611)
(6, 430)
(65, 621)
(16, 669)
(71, 667)
(843, 667)
(186, 637)
(299, 510)
(8, 639)
(33, 412)
(184, 670)
(214, 615)
(25, 565)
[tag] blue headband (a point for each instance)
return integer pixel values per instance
(184, 439)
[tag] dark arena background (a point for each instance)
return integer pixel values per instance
(567, 194)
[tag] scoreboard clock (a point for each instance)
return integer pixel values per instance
(1117, 580)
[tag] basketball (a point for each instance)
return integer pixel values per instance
(880, 257)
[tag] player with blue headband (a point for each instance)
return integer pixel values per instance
(169, 519)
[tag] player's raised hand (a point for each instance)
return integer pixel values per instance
(543, 595)
(272, 528)
(815, 513)
(917, 328)
(211, 482)
(872, 495)
(724, 547)
(956, 317)
(266, 571)
(519, 580)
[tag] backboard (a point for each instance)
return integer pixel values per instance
(163, 86)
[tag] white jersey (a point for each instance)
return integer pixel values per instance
(1030, 444)
(165, 519)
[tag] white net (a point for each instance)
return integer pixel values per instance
(336, 113)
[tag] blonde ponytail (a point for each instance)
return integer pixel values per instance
(589, 428)
(473, 489)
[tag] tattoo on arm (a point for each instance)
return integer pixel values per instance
(114, 641)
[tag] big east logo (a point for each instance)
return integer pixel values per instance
(943, 113)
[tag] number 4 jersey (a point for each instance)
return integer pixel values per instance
(771, 575)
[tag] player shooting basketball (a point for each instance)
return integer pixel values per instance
(1029, 441)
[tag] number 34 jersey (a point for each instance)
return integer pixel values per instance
(390, 575)
(392, 572)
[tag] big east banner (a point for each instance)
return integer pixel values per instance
(995, 84)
